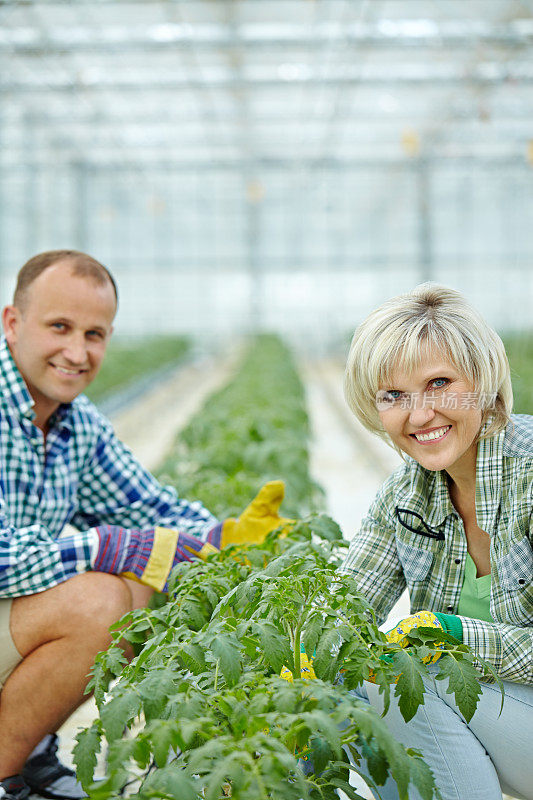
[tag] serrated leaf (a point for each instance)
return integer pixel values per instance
(375, 761)
(88, 743)
(326, 528)
(326, 646)
(463, 683)
(155, 689)
(320, 721)
(421, 776)
(276, 648)
(118, 712)
(162, 739)
(193, 657)
(348, 790)
(227, 652)
(410, 686)
(171, 781)
(312, 631)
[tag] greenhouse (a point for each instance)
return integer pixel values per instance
(200, 202)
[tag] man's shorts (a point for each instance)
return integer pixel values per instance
(9, 655)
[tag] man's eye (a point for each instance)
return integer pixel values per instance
(95, 335)
(59, 326)
(439, 383)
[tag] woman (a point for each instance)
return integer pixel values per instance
(453, 524)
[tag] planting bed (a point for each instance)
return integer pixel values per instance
(129, 361)
(211, 715)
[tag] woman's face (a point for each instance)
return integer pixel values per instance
(433, 415)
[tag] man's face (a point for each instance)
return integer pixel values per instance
(58, 339)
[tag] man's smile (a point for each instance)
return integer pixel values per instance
(67, 370)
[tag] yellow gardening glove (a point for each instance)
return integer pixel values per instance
(398, 635)
(257, 519)
(422, 619)
(306, 668)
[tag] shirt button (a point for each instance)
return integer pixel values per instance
(450, 608)
(457, 560)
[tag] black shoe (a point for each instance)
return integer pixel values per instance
(14, 788)
(47, 776)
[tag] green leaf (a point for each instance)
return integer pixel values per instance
(410, 686)
(163, 739)
(88, 743)
(193, 657)
(276, 648)
(155, 689)
(312, 631)
(118, 713)
(325, 653)
(320, 721)
(171, 781)
(326, 528)
(421, 776)
(225, 649)
(463, 683)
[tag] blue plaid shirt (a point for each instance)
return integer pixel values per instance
(82, 475)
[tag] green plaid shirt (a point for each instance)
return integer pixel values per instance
(413, 536)
(82, 475)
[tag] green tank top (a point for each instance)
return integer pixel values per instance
(474, 600)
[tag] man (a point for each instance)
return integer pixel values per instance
(60, 463)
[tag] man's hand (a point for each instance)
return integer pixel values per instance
(258, 519)
(149, 556)
(146, 556)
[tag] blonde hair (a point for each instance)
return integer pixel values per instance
(397, 332)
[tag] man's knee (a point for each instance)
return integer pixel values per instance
(81, 607)
(99, 600)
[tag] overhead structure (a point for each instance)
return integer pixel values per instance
(298, 160)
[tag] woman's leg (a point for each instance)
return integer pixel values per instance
(473, 761)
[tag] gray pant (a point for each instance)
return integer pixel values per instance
(474, 761)
(9, 655)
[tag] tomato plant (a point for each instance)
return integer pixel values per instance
(201, 711)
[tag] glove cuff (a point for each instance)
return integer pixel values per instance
(214, 536)
(451, 624)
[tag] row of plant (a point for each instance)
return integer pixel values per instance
(202, 712)
(253, 430)
(519, 347)
(127, 361)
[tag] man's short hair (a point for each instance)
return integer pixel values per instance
(396, 335)
(83, 266)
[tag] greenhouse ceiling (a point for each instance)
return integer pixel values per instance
(244, 82)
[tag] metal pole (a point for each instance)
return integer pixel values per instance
(80, 211)
(425, 232)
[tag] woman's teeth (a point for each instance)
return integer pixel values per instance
(429, 437)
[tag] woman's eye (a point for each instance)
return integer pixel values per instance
(388, 398)
(439, 383)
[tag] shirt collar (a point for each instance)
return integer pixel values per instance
(433, 486)
(13, 389)
(12, 385)
(432, 489)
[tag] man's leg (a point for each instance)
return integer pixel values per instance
(58, 632)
